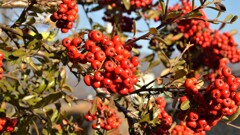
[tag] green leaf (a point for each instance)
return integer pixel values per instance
(179, 74)
(193, 14)
(42, 86)
(220, 6)
(98, 7)
(148, 58)
(49, 99)
(67, 88)
(153, 64)
(235, 115)
(165, 72)
(127, 4)
(200, 83)
(26, 98)
(173, 14)
(177, 37)
(161, 40)
(145, 118)
(185, 105)
(230, 16)
(214, 8)
(162, 6)
(234, 19)
(193, 4)
(19, 52)
(31, 21)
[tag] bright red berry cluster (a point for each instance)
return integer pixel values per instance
(66, 15)
(209, 106)
(7, 124)
(105, 117)
(214, 45)
(164, 117)
(182, 129)
(72, 47)
(141, 3)
(1, 64)
(112, 66)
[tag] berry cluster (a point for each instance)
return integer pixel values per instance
(105, 117)
(214, 45)
(207, 108)
(72, 47)
(112, 66)
(211, 45)
(182, 129)
(164, 117)
(7, 124)
(1, 64)
(66, 15)
(140, 3)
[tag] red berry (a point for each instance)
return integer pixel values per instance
(88, 80)
(125, 63)
(189, 83)
(71, 4)
(107, 127)
(110, 51)
(88, 117)
(135, 61)
(192, 124)
(100, 55)
(226, 71)
(89, 44)
(96, 84)
(98, 76)
(128, 83)
(76, 41)
(119, 49)
(109, 66)
(193, 116)
(90, 57)
(66, 42)
(95, 35)
(219, 83)
(107, 82)
(64, 30)
(72, 52)
(96, 64)
(215, 94)
(123, 91)
(225, 93)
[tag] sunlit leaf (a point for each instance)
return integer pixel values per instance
(230, 16)
(49, 99)
(127, 4)
(185, 105)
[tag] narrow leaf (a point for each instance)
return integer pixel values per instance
(185, 105)
(230, 16)
(234, 19)
(127, 4)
